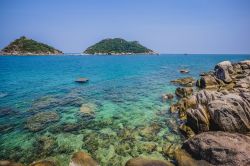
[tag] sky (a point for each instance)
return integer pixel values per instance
(166, 26)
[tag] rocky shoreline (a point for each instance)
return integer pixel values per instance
(216, 117)
(214, 114)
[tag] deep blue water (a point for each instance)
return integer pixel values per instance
(124, 92)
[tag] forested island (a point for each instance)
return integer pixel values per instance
(26, 46)
(117, 46)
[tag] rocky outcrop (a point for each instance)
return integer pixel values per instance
(147, 162)
(220, 114)
(183, 91)
(82, 159)
(186, 81)
(220, 148)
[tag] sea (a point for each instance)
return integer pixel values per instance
(117, 115)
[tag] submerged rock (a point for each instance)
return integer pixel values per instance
(82, 80)
(87, 110)
(45, 145)
(220, 148)
(147, 162)
(184, 71)
(82, 159)
(41, 120)
(167, 96)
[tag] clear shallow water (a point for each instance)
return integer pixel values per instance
(124, 96)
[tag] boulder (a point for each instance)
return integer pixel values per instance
(220, 148)
(207, 82)
(230, 113)
(184, 159)
(139, 161)
(245, 64)
(82, 159)
(186, 81)
(198, 119)
(167, 96)
(223, 71)
(183, 91)
(40, 120)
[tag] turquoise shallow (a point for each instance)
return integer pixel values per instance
(117, 115)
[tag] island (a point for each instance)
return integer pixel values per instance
(117, 46)
(26, 46)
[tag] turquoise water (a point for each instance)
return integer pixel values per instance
(125, 114)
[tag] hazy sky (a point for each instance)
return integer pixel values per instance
(167, 26)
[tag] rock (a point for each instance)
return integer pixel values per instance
(7, 112)
(184, 71)
(87, 110)
(207, 82)
(245, 64)
(45, 145)
(183, 91)
(230, 113)
(203, 97)
(198, 119)
(9, 163)
(220, 148)
(43, 163)
(82, 159)
(40, 121)
(223, 71)
(150, 131)
(187, 81)
(82, 80)
(186, 130)
(147, 162)
(166, 97)
(185, 159)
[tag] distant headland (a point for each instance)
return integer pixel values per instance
(25, 46)
(117, 46)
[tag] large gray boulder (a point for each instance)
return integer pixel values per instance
(230, 113)
(198, 119)
(223, 71)
(220, 148)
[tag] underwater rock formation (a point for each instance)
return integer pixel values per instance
(40, 121)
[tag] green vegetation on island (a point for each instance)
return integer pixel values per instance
(25, 46)
(118, 46)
